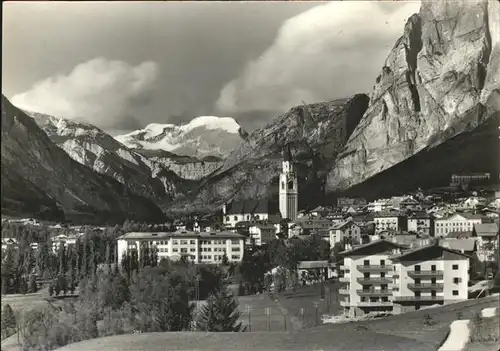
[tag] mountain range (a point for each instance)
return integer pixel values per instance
(433, 111)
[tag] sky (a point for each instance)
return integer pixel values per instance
(123, 65)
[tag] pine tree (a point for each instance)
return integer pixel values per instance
(8, 317)
(33, 288)
(220, 314)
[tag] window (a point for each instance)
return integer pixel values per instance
(456, 280)
(455, 292)
(283, 185)
(382, 262)
(290, 185)
(175, 242)
(235, 257)
(184, 242)
(184, 250)
(417, 280)
(433, 268)
(454, 267)
(235, 241)
(227, 219)
(417, 268)
(235, 218)
(192, 242)
(433, 280)
(236, 249)
(382, 275)
(385, 299)
(366, 262)
(433, 293)
(175, 249)
(192, 249)
(367, 275)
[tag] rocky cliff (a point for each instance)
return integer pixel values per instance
(316, 133)
(185, 167)
(438, 87)
(37, 170)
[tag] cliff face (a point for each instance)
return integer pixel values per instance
(37, 169)
(315, 133)
(185, 167)
(440, 80)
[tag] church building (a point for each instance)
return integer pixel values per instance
(288, 193)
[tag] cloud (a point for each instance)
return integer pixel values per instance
(102, 92)
(330, 51)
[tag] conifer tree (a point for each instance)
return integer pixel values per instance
(220, 314)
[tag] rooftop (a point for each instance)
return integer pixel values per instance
(486, 229)
(178, 234)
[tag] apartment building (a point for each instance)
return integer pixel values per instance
(427, 276)
(458, 222)
(366, 277)
(385, 276)
(421, 223)
(345, 231)
(262, 233)
(203, 247)
(389, 221)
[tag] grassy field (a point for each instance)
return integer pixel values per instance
(274, 341)
(412, 324)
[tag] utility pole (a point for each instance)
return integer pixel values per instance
(328, 297)
(268, 312)
(284, 318)
(302, 316)
(249, 310)
(316, 305)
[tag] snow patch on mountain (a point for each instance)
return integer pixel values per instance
(203, 136)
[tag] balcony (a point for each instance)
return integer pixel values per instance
(437, 274)
(345, 303)
(374, 268)
(344, 291)
(374, 292)
(426, 286)
(344, 279)
(374, 280)
(374, 303)
(418, 298)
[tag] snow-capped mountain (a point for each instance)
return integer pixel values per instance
(98, 150)
(201, 137)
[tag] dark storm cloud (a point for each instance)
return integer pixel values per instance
(124, 65)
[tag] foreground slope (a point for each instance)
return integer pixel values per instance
(315, 134)
(439, 89)
(29, 156)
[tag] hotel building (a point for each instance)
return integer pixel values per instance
(203, 247)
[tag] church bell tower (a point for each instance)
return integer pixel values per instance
(288, 201)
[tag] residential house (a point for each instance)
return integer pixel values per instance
(378, 205)
(64, 240)
(456, 222)
(343, 232)
(317, 270)
(309, 225)
(389, 221)
(262, 233)
(487, 239)
(200, 247)
(427, 276)
(421, 223)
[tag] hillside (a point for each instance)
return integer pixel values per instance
(32, 161)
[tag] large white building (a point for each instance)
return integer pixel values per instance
(288, 188)
(380, 276)
(203, 247)
(458, 222)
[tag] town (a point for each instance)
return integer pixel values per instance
(394, 255)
